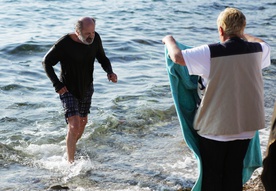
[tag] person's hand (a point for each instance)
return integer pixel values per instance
(167, 38)
(174, 52)
(112, 77)
(62, 90)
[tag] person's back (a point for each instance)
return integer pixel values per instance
(269, 163)
(232, 108)
(235, 72)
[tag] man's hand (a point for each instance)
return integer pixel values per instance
(112, 77)
(62, 90)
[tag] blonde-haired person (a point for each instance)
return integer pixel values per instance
(232, 108)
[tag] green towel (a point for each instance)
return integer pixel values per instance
(185, 96)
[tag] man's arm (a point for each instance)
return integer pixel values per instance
(105, 62)
(173, 50)
(250, 38)
(266, 60)
(49, 60)
(101, 56)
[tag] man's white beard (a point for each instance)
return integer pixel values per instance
(84, 41)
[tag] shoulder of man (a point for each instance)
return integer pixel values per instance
(62, 39)
(97, 35)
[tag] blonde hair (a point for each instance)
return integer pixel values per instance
(232, 22)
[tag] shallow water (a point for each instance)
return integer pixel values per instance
(133, 140)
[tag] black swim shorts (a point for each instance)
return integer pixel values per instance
(73, 106)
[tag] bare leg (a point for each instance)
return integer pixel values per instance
(76, 127)
(83, 122)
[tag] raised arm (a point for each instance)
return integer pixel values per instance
(173, 50)
(251, 38)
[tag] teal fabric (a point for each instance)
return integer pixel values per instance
(253, 158)
(184, 93)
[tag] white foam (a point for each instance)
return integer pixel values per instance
(53, 157)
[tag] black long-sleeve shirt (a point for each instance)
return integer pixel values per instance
(77, 64)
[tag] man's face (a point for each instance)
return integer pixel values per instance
(87, 34)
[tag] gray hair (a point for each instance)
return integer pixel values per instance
(79, 23)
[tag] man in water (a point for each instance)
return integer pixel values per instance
(76, 53)
(232, 108)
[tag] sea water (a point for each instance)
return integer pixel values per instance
(133, 140)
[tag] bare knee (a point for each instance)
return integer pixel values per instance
(74, 126)
(83, 121)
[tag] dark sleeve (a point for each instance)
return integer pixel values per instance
(51, 59)
(102, 59)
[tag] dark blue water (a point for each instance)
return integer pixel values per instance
(133, 140)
